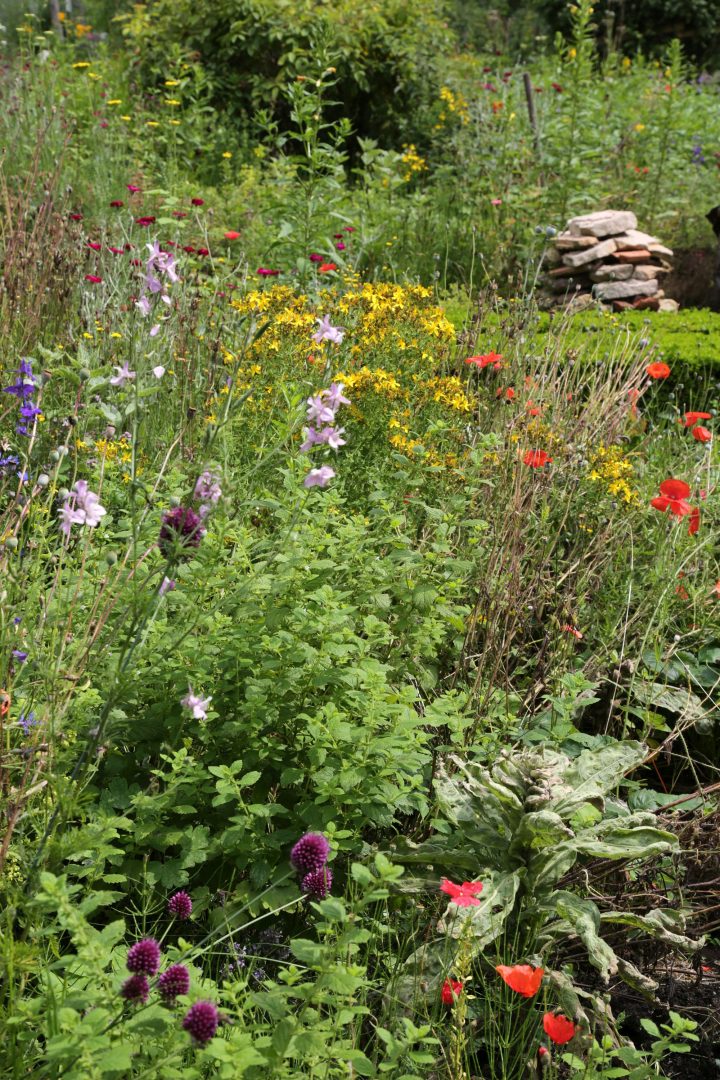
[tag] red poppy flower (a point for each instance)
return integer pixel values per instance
(197, 202)
(325, 268)
(533, 410)
(673, 497)
(690, 419)
(558, 1028)
(93, 278)
(522, 978)
(464, 895)
(716, 588)
(491, 359)
(536, 458)
(231, 235)
(117, 202)
(682, 592)
(568, 629)
(694, 523)
(701, 434)
(658, 370)
(509, 393)
(451, 991)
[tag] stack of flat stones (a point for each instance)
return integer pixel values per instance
(605, 257)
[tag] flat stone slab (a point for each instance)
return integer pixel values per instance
(660, 249)
(591, 254)
(646, 272)
(602, 223)
(612, 272)
(668, 305)
(622, 290)
(634, 238)
(568, 242)
(640, 256)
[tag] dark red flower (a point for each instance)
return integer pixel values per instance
(94, 245)
(188, 249)
(197, 202)
(117, 202)
(690, 419)
(203, 251)
(451, 991)
(522, 978)
(76, 217)
(673, 497)
(694, 523)
(557, 87)
(536, 459)
(145, 221)
(558, 1028)
(658, 370)
(264, 272)
(179, 214)
(93, 278)
(314, 257)
(117, 251)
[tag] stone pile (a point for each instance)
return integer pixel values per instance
(605, 257)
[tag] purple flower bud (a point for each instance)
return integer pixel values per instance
(181, 527)
(174, 981)
(144, 957)
(135, 989)
(318, 883)
(201, 1021)
(180, 905)
(310, 852)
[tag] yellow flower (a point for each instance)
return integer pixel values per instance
(82, 64)
(126, 117)
(115, 101)
(227, 154)
(172, 101)
(172, 82)
(152, 123)
(639, 127)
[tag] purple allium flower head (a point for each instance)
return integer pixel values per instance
(201, 1021)
(318, 883)
(144, 957)
(180, 905)
(182, 526)
(174, 981)
(310, 852)
(135, 989)
(319, 477)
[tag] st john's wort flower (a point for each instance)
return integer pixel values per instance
(143, 957)
(558, 1028)
(310, 852)
(522, 978)
(173, 982)
(318, 883)
(180, 903)
(201, 1021)
(196, 704)
(136, 989)
(319, 477)
(327, 332)
(465, 895)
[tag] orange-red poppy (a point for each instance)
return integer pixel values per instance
(451, 991)
(658, 370)
(558, 1028)
(694, 523)
(465, 895)
(691, 418)
(491, 359)
(325, 268)
(702, 434)
(536, 459)
(673, 497)
(522, 978)
(232, 235)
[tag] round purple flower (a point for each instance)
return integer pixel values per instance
(181, 527)
(201, 1021)
(135, 989)
(174, 981)
(180, 905)
(144, 957)
(310, 853)
(318, 883)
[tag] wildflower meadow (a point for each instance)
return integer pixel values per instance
(360, 593)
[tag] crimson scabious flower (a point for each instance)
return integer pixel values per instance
(318, 883)
(536, 459)
(145, 221)
(76, 217)
(197, 202)
(701, 434)
(181, 527)
(491, 359)
(673, 497)
(557, 87)
(135, 989)
(465, 895)
(558, 1028)
(451, 991)
(203, 252)
(94, 279)
(310, 852)
(132, 188)
(117, 250)
(117, 203)
(94, 246)
(263, 271)
(143, 957)
(180, 905)
(174, 981)
(522, 978)
(690, 419)
(658, 370)
(201, 1021)
(315, 257)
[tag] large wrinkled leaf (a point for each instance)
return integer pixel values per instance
(423, 973)
(590, 1009)
(615, 842)
(662, 923)
(541, 829)
(674, 699)
(583, 917)
(595, 773)
(437, 852)
(637, 979)
(487, 921)
(547, 867)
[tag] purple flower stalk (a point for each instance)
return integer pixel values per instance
(174, 981)
(319, 477)
(318, 883)
(143, 957)
(135, 989)
(180, 904)
(201, 1021)
(310, 852)
(81, 507)
(327, 332)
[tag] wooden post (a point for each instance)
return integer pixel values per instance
(531, 111)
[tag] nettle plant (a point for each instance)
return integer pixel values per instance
(519, 827)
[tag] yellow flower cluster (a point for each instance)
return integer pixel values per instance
(401, 440)
(413, 163)
(378, 381)
(117, 453)
(447, 391)
(610, 467)
(454, 103)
